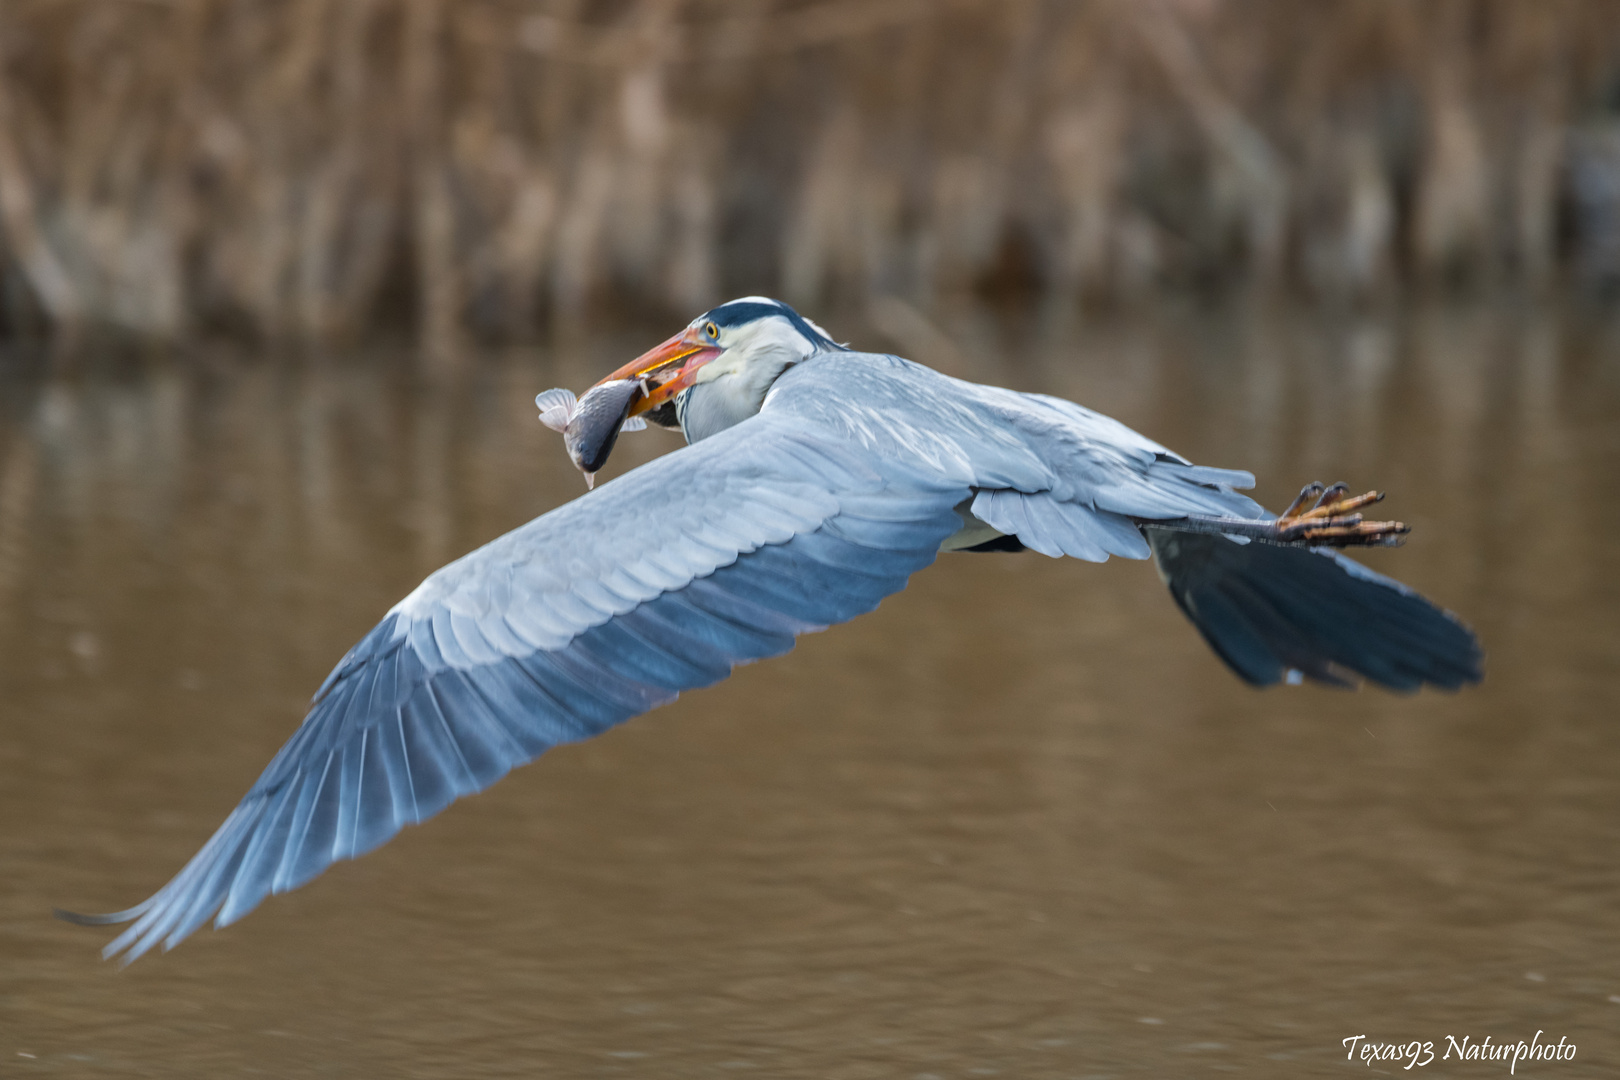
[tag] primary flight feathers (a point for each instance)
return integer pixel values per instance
(817, 481)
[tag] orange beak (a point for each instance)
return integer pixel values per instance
(667, 369)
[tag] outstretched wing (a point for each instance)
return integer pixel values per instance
(661, 581)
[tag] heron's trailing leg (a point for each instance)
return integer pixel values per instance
(1327, 517)
(1319, 517)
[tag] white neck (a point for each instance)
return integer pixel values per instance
(732, 387)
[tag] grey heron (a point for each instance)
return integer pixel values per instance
(815, 481)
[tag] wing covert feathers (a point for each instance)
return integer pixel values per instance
(530, 643)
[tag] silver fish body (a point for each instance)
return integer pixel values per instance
(597, 420)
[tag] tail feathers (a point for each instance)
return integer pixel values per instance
(1269, 611)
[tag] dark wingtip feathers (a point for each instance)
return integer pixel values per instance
(1268, 611)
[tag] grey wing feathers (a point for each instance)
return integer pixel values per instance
(448, 692)
(1267, 610)
(1098, 522)
(664, 579)
(1046, 524)
(1063, 479)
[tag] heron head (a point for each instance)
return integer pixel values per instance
(755, 338)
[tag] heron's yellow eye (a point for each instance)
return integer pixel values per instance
(712, 330)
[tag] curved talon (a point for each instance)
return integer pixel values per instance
(1310, 493)
(1332, 496)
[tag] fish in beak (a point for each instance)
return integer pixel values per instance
(591, 425)
(664, 371)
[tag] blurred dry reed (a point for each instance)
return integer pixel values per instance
(316, 169)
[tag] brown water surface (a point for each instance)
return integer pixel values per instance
(1017, 822)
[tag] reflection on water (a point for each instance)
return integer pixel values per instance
(1018, 822)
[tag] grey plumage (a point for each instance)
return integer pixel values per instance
(818, 491)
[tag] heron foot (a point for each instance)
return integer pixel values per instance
(1326, 517)
(1321, 517)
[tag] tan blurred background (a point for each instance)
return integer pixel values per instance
(1018, 822)
(317, 170)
